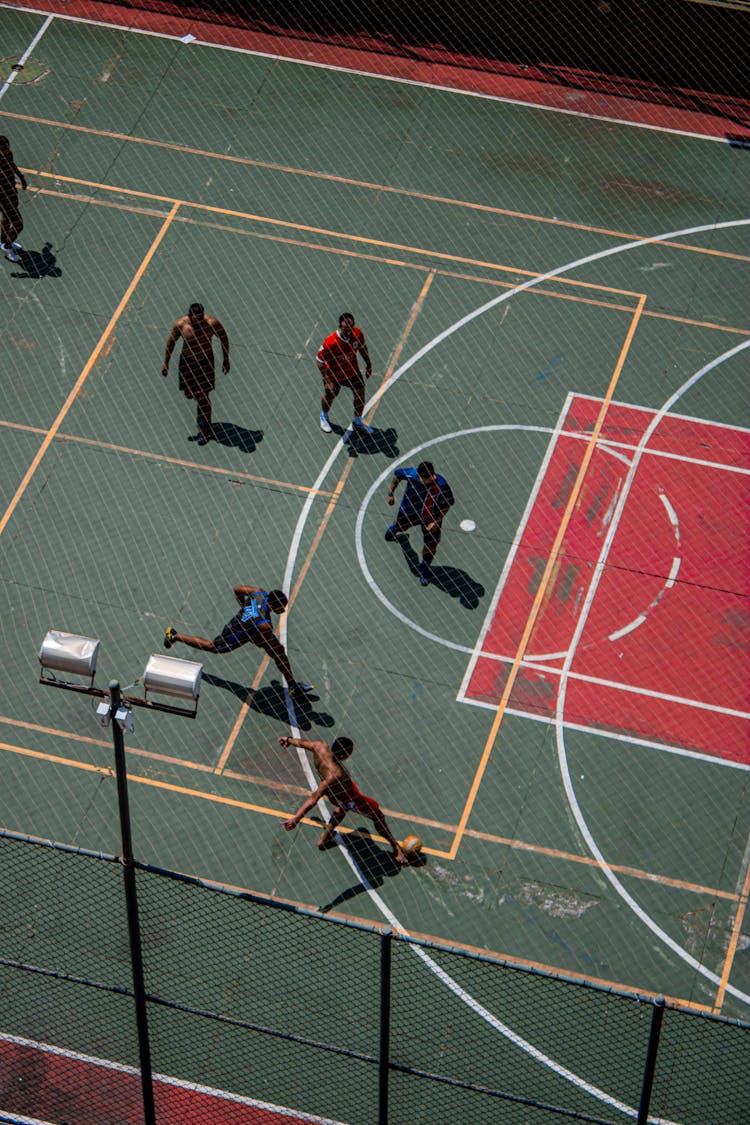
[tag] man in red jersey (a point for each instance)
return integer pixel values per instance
(338, 363)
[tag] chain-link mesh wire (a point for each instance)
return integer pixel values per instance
(259, 1000)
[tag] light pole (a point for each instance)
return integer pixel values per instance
(71, 654)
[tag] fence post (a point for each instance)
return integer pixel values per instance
(657, 1015)
(385, 1026)
(131, 904)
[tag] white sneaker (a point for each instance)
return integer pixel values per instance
(16, 245)
(325, 425)
(9, 252)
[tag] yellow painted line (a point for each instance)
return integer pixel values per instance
(381, 189)
(88, 767)
(298, 790)
(234, 733)
(229, 744)
(103, 341)
(180, 462)
(542, 591)
(734, 938)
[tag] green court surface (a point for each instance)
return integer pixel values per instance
(595, 843)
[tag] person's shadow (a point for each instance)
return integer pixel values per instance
(448, 579)
(373, 862)
(271, 702)
(227, 433)
(360, 444)
(38, 263)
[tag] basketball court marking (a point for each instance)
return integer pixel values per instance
(294, 550)
(103, 340)
(14, 70)
(573, 804)
(381, 189)
(397, 79)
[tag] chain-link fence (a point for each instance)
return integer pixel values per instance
(255, 1002)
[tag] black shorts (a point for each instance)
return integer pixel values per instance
(9, 207)
(235, 634)
(196, 375)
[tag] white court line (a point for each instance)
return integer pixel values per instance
(489, 616)
(294, 548)
(14, 71)
(616, 736)
(721, 465)
(165, 1079)
(460, 91)
(672, 414)
(573, 804)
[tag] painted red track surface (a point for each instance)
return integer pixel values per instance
(666, 634)
(576, 91)
(49, 1086)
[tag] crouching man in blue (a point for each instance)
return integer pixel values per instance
(251, 625)
(427, 498)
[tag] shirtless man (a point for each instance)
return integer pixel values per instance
(197, 378)
(338, 788)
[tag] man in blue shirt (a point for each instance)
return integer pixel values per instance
(427, 498)
(251, 625)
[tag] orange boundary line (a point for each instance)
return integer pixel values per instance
(502, 841)
(103, 340)
(549, 569)
(169, 460)
(330, 178)
(739, 918)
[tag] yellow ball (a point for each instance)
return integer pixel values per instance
(412, 845)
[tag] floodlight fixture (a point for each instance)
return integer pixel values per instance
(103, 713)
(180, 679)
(71, 654)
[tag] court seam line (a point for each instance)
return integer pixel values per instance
(544, 582)
(460, 91)
(88, 367)
(386, 189)
(266, 810)
(325, 519)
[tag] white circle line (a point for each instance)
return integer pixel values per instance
(301, 522)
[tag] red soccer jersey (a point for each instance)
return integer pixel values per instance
(340, 356)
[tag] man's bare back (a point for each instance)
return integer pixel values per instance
(338, 787)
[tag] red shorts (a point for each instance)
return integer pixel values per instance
(358, 802)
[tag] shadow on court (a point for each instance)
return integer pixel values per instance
(364, 445)
(373, 861)
(237, 437)
(448, 579)
(271, 702)
(38, 263)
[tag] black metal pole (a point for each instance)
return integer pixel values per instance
(385, 1026)
(657, 1016)
(131, 903)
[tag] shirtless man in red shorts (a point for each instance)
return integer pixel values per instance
(197, 378)
(338, 788)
